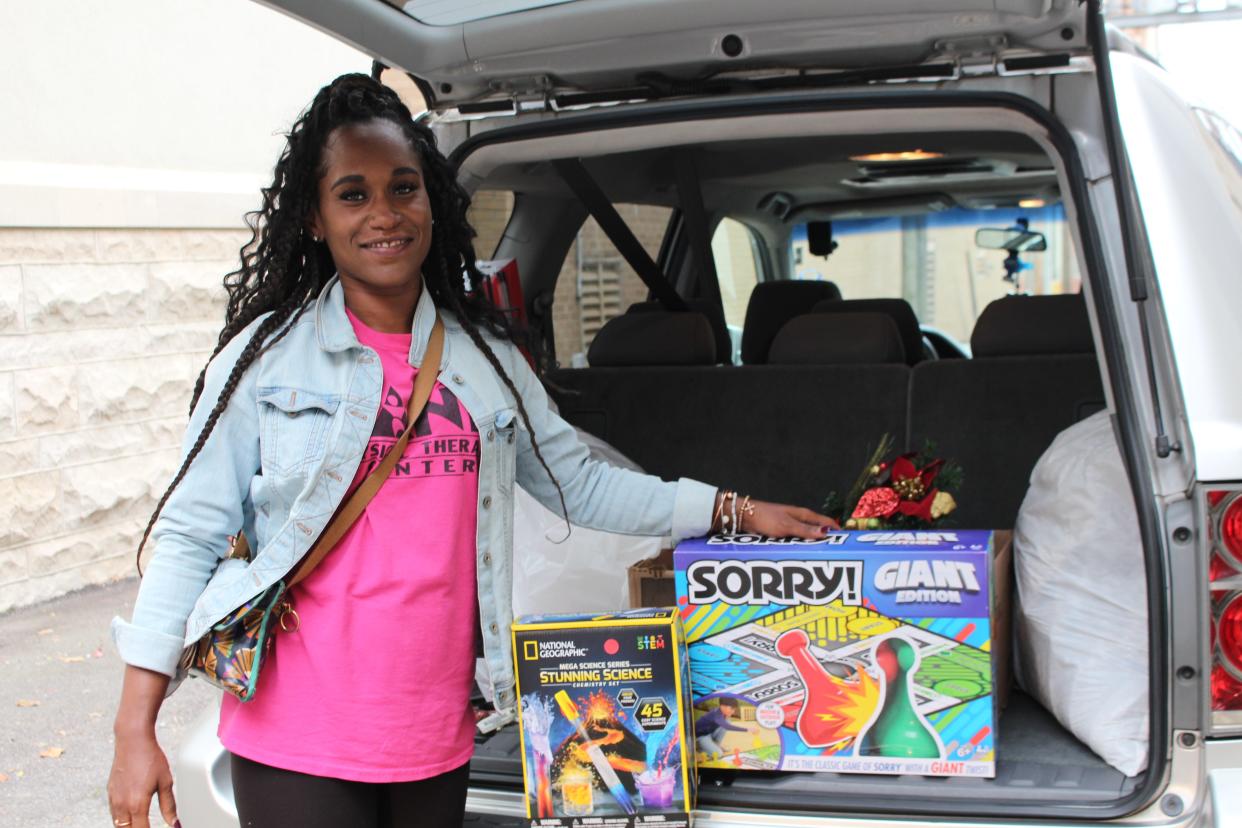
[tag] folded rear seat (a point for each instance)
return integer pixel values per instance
(792, 430)
(1034, 373)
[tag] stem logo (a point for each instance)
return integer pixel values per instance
(651, 642)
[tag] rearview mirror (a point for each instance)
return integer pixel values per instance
(1013, 239)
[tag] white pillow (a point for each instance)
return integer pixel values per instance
(1080, 610)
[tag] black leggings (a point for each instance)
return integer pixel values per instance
(269, 797)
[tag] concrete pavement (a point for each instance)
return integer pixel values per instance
(60, 679)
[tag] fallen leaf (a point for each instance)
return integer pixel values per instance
(27, 703)
(46, 631)
(4, 777)
(51, 753)
(62, 733)
(72, 659)
(20, 774)
(98, 653)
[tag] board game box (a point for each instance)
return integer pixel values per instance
(866, 652)
(604, 726)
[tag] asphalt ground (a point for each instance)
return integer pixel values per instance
(60, 679)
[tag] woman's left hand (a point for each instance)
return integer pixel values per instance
(780, 520)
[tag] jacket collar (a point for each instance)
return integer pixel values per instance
(335, 333)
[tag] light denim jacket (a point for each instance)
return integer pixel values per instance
(289, 442)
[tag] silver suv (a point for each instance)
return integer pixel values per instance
(780, 115)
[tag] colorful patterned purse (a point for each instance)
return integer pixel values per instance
(231, 654)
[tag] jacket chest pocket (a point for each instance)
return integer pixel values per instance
(293, 427)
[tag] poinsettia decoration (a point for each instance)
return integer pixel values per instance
(911, 491)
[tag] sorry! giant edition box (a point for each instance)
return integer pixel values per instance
(605, 741)
(866, 652)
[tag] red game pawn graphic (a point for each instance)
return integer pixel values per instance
(833, 709)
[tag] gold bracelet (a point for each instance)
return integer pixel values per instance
(747, 508)
(726, 521)
(718, 512)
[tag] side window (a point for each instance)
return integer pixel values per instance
(739, 267)
(489, 215)
(595, 283)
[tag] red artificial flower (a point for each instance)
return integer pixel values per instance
(920, 509)
(904, 468)
(878, 502)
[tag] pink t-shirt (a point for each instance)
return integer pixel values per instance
(375, 685)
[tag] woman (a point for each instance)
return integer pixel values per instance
(364, 718)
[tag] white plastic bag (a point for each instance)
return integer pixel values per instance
(585, 572)
(1080, 613)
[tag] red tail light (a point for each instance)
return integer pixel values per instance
(1229, 634)
(1231, 532)
(1226, 690)
(1225, 623)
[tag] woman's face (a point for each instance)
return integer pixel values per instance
(373, 211)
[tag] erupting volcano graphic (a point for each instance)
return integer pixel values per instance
(625, 752)
(834, 711)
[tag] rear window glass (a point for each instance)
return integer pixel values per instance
(489, 214)
(595, 283)
(935, 263)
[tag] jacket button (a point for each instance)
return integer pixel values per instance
(510, 437)
(491, 435)
(495, 630)
(457, 379)
(487, 501)
(487, 558)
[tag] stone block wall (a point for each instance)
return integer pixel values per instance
(102, 334)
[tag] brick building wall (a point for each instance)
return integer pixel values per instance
(102, 333)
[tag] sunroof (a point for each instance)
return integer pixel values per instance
(452, 12)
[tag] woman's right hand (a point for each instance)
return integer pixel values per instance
(139, 771)
(139, 768)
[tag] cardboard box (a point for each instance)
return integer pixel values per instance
(604, 703)
(867, 652)
(651, 581)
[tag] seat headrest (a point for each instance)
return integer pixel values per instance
(771, 305)
(715, 317)
(838, 339)
(1032, 325)
(898, 310)
(654, 338)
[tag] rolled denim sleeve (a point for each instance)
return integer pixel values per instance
(191, 535)
(599, 495)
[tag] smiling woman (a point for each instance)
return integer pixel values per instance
(375, 216)
(311, 406)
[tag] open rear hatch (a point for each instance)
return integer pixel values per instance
(503, 52)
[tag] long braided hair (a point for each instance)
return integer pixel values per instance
(283, 269)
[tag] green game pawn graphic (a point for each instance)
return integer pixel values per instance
(898, 730)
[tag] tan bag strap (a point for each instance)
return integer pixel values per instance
(352, 509)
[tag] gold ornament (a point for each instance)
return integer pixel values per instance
(942, 504)
(910, 488)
